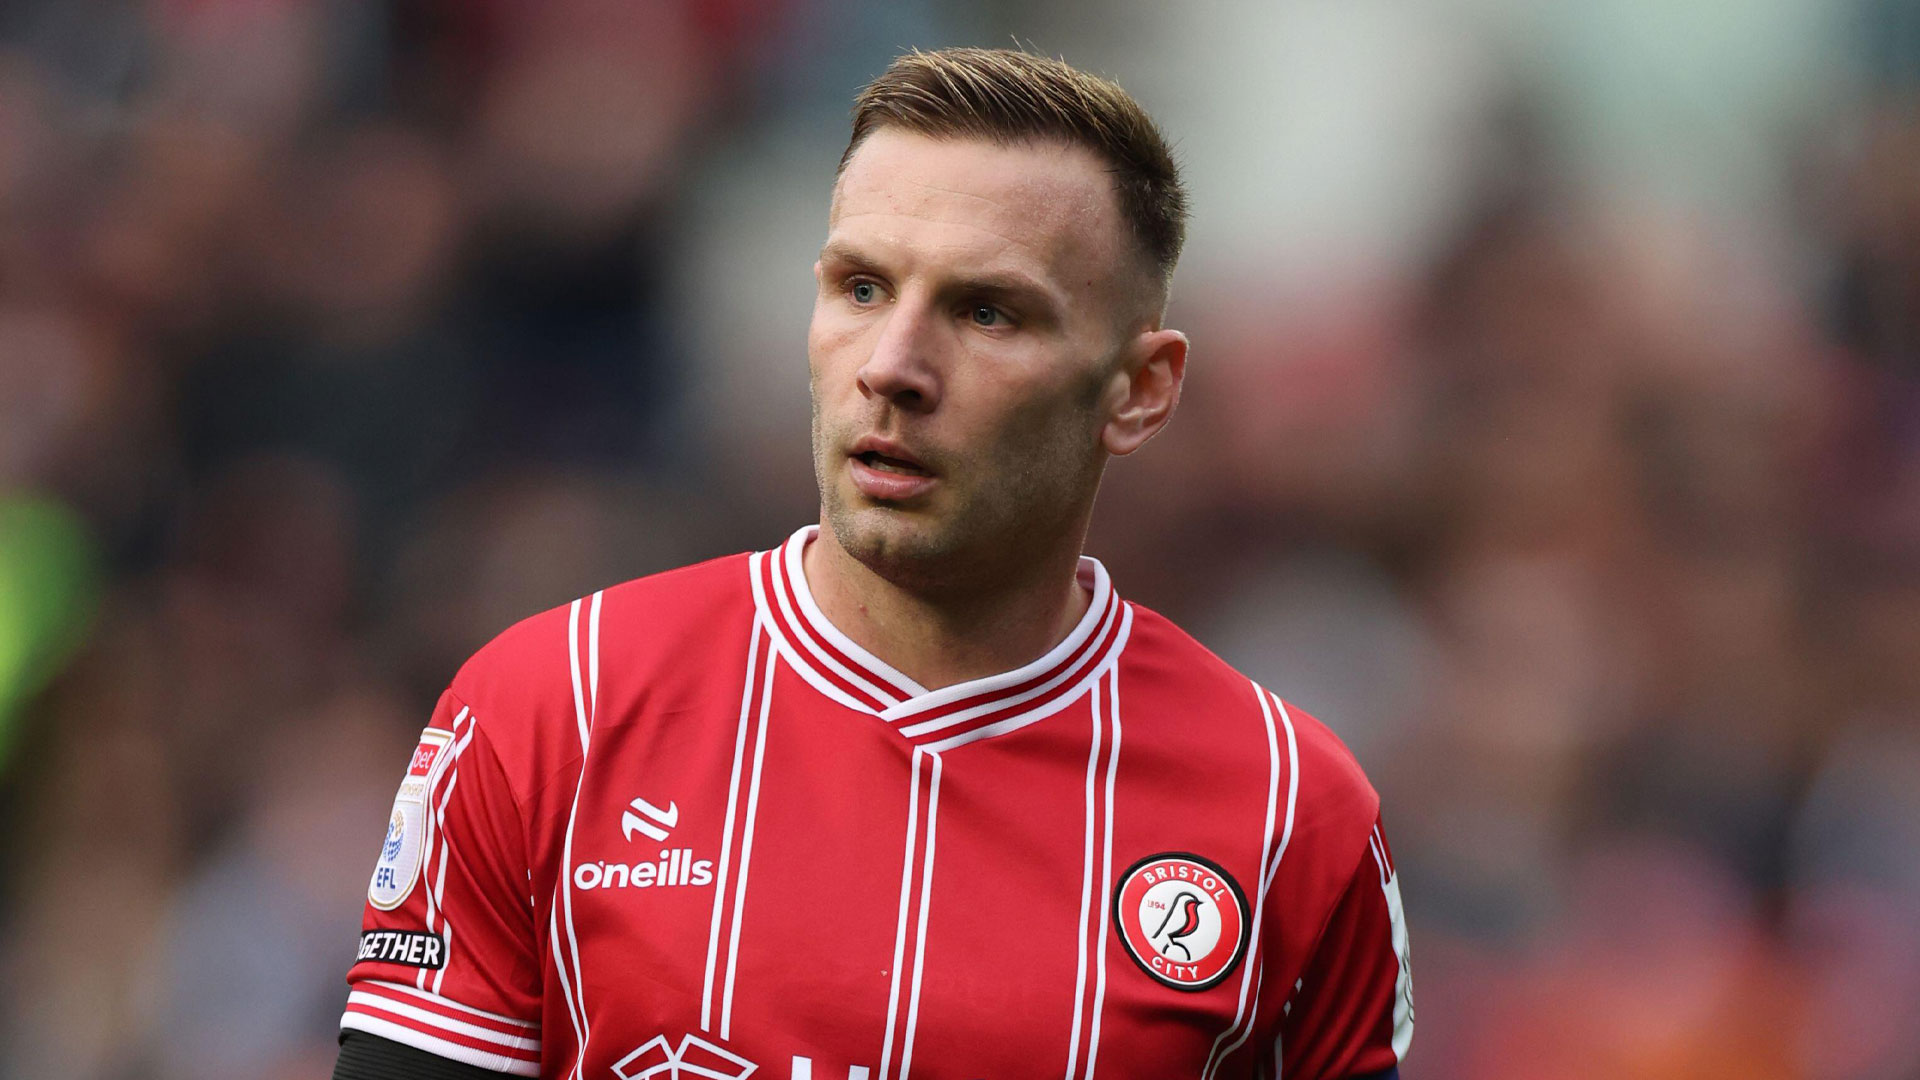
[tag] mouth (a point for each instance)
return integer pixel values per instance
(885, 455)
(874, 459)
(887, 472)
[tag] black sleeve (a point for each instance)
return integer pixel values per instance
(370, 1057)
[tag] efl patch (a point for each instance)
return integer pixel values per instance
(1183, 919)
(413, 948)
(399, 865)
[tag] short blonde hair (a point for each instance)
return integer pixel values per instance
(1009, 96)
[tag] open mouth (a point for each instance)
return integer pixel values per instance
(879, 462)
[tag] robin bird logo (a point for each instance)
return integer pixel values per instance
(1185, 907)
(1182, 918)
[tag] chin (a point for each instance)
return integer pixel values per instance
(887, 533)
(908, 548)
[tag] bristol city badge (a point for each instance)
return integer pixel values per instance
(1183, 919)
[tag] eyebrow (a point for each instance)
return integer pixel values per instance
(836, 251)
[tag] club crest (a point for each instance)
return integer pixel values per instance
(1182, 918)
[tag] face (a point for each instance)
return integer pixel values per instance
(964, 346)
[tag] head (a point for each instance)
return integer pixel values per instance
(987, 329)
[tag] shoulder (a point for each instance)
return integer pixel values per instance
(1245, 750)
(1332, 800)
(538, 653)
(1337, 806)
(1162, 653)
(540, 679)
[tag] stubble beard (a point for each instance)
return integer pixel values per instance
(999, 513)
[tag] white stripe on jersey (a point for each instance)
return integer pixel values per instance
(1106, 872)
(1086, 893)
(579, 995)
(720, 882)
(926, 898)
(446, 939)
(900, 926)
(746, 853)
(1254, 959)
(797, 662)
(445, 1023)
(997, 704)
(583, 716)
(593, 657)
(1109, 662)
(1403, 979)
(573, 668)
(1270, 704)
(1293, 792)
(1092, 621)
(912, 919)
(818, 622)
(560, 969)
(438, 1025)
(431, 831)
(420, 1040)
(450, 1004)
(787, 571)
(436, 893)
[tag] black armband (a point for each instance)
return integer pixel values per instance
(370, 1057)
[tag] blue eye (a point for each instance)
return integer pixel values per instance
(984, 315)
(864, 292)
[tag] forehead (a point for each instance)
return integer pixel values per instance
(1049, 206)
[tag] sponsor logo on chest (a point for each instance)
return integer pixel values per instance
(673, 868)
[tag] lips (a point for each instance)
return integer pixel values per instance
(887, 472)
(884, 455)
(874, 460)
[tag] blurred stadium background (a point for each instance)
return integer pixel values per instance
(1553, 432)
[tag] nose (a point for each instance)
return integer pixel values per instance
(902, 367)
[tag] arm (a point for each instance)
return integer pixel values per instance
(370, 1057)
(1351, 1015)
(447, 959)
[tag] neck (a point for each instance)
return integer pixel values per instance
(957, 635)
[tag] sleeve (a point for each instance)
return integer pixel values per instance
(1351, 1014)
(370, 1057)
(447, 958)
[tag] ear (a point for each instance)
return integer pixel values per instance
(1144, 390)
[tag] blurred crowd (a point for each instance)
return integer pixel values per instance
(1563, 454)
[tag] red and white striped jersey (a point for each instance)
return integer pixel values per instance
(685, 827)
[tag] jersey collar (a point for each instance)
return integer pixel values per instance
(952, 715)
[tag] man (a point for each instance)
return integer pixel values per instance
(915, 793)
